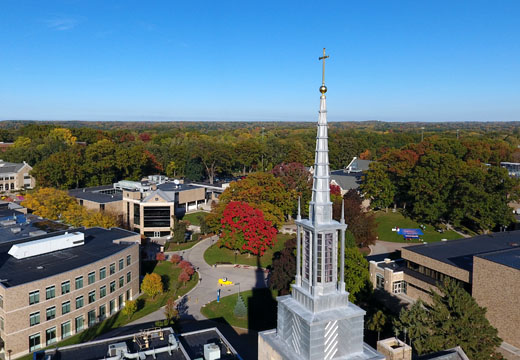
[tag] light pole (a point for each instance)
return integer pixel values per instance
(238, 288)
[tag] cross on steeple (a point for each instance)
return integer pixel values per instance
(323, 74)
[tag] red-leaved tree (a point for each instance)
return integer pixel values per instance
(175, 259)
(245, 229)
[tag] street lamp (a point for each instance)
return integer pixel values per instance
(236, 251)
(238, 288)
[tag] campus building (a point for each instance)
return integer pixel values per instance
(146, 206)
(487, 266)
(56, 283)
(15, 176)
(317, 321)
(151, 344)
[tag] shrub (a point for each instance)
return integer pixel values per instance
(175, 259)
(160, 256)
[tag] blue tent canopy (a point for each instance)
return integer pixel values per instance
(410, 233)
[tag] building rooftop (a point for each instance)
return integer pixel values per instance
(346, 180)
(451, 354)
(99, 194)
(510, 257)
(98, 245)
(8, 167)
(152, 344)
(460, 252)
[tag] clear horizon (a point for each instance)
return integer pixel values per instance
(399, 61)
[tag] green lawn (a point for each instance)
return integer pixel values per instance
(387, 221)
(261, 310)
(169, 273)
(171, 246)
(193, 218)
(215, 254)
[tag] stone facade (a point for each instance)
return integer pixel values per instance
(496, 287)
(16, 310)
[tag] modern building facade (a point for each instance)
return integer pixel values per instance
(15, 176)
(55, 285)
(317, 321)
(486, 266)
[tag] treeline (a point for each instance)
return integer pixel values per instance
(442, 181)
(76, 156)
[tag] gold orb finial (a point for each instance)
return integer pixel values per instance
(323, 89)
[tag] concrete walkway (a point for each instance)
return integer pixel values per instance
(189, 305)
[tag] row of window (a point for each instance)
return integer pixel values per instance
(35, 340)
(7, 178)
(34, 318)
(50, 291)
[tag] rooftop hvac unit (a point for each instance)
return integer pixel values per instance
(47, 245)
(211, 351)
(117, 349)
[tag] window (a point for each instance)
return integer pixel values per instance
(91, 317)
(102, 312)
(34, 318)
(50, 336)
(65, 308)
(34, 342)
(79, 302)
(128, 260)
(50, 313)
(2, 324)
(156, 216)
(128, 294)
(112, 269)
(137, 214)
(121, 264)
(112, 287)
(328, 257)
(120, 301)
(65, 287)
(65, 330)
(306, 255)
(50, 292)
(121, 281)
(1, 302)
(91, 277)
(102, 273)
(92, 296)
(34, 297)
(79, 282)
(128, 277)
(112, 306)
(102, 292)
(101, 207)
(380, 281)
(79, 323)
(399, 287)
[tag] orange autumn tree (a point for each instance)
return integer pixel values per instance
(245, 229)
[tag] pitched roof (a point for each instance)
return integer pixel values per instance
(8, 167)
(346, 181)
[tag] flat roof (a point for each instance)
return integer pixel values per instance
(26, 226)
(98, 245)
(510, 258)
(94, 194)
(460, 252)
(190, 346)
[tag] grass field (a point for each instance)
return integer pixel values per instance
(169, 274)
(387, 221)
(215, 254)
(171, 246)
(261, 310)
(193, 218)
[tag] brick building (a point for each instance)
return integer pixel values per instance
(55, 285)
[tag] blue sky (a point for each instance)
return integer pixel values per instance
(258, 60)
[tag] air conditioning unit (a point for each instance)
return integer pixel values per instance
(117, 349)
(211, 351)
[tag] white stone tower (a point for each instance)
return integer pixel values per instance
(317, 322)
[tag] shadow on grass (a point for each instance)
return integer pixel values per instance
(261, 306)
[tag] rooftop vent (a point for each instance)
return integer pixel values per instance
(47, 245)
(39, 267)
(117, 349)
(514, 244)
(211, 351)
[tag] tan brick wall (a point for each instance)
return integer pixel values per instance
(439, 266)
(266, 352)
(17, 309)
(497, 288)
(192, 195)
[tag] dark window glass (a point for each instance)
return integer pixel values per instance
(156, 216)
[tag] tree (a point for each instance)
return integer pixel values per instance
(175, 259)
(377, 186)
(245, 229)
(214, 155)
(184, 277)
(357, 276)
(130, 308)
(170, 169)
(179, 232)
(170, 311)
(377, 322)
(152, 285)
(283, 268)
(453, 319)
(240, 307)
(204, 227)
(298, 180)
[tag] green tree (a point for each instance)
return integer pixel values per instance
(214, 154)
(377, 322)
(179, 232)
(453, 319)
(357, 276)
(130, 308)
(170, 169)
(283, 269)
(378, 187)
(240, 308)
(152, 285)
